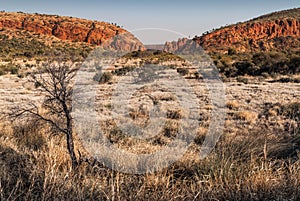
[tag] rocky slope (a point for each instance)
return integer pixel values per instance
(279, 30)
(71, 29)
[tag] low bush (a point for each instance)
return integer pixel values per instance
(103, 77)
(9, 68)
(183, 71)
(291, 110)
(257, 64)
(123, 71)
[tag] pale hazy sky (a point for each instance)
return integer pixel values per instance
(188, 17)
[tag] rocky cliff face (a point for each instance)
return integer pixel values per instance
(71, 29)
(264, 33)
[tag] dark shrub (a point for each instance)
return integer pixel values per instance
(246, 67)
(231, 51)
(103, 77)
(123, 71)
(183, 71)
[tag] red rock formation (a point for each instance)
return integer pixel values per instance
(254, 35)
(251, 35)
(68, 28)
(174, 45)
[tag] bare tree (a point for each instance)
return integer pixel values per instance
(55, 82)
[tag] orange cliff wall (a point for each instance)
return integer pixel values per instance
(66, 28)
(245, 36)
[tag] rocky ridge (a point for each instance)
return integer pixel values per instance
(280, 30)
(70, 29)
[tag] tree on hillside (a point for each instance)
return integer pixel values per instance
(55, 82)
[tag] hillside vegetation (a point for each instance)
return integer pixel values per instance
(267, 46)
(27, 40)
(68, 28)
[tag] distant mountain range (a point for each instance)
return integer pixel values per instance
(278, 30)
(36, 36)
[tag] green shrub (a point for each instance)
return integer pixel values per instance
(294, 64)
(9, 68)
(291, 110)
(258, 63)
(183, 71)
(123, 71)
(285, 80)
(231, 51)
(20, 75)
(14, 70)
(246, 67)
(103, 77)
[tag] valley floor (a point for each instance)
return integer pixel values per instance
(256, 158)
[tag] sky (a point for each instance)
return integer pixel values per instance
(156, 21)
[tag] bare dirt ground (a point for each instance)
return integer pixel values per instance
(246, 103)
(16, 91)
(245, 97)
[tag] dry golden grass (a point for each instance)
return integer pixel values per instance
(238, 169)
(248, 116)
(232, 104)
(247, 164)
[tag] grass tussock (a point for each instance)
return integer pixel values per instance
(248, 116)
(246, 166)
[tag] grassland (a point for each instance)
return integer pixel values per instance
(257, 157)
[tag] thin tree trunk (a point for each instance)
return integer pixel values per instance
(70, 145)
(70, 141)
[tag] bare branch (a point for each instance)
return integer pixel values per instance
(34, 112)
(55, 82)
